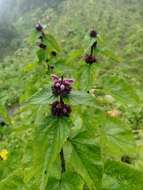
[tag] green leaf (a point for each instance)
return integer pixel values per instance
(61, 132)
(33, 37)
(48, 141)
(82, 98)
(51, 43)
(41, 54)
(44, 96)
(122, 177)
(121, 89)
(86, 76)
(117, 137)
(73, 56)
(86, 159)
(69, 181)
(13, 181)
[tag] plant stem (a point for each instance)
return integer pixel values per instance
(62, 78)
(61, 99)
(63, 167)
(93, 47)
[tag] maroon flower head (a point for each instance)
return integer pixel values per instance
(61, 87)
(60, 109)
(39, 27)
(90, 59)
(93, 34)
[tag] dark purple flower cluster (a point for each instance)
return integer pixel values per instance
(90, 59)
(60, 109)
(39, 27)
(93, 34)
(61, 87)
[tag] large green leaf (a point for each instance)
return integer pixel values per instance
(44, 96)
(85, 158)
(120, 176)
(121, 89)
(49, 139)
(82, 98)
(116, 137)
(61, 133)
(69, 181)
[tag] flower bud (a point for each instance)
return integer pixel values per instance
(42, 46)
(90, 59)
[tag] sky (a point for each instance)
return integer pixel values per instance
(1, 1)
(1, 4)
(5, 3)
(5, 9)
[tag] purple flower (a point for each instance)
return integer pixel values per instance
(90, 59)
(61, 87)
(93, 34)
(60, 109)
(39, 27)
